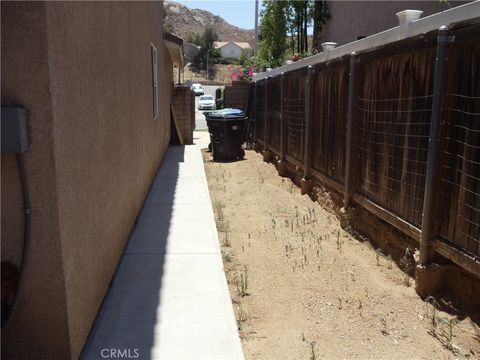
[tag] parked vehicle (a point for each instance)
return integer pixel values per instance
(206, 102)
(198, 89)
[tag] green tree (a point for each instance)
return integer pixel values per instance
(273, 29)
(321, 15)
(205, 41)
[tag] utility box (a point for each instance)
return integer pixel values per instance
(14, 130)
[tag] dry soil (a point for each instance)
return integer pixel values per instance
(303, 288)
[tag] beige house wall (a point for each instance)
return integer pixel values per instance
(83, 72)
(350, 19)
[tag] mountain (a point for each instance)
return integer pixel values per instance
(182, 21)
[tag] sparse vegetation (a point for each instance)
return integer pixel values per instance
(303, 273)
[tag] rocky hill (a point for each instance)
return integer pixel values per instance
(182, 21)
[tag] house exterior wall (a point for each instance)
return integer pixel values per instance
(351, 19)
(231, 50)
(95, 148)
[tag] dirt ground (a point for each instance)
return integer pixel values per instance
(218, 74)
(303, 288)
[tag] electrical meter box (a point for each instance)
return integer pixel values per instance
(14, 130)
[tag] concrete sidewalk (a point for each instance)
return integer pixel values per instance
(169, 298)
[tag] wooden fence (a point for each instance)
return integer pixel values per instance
(411, 154)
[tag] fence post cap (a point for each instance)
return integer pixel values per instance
(443, 28)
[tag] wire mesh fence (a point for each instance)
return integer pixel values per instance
(460, 168)
(394, 109)
(329, 120)
(294, 113)
(391, 117)
(260, 110)
(274, 112)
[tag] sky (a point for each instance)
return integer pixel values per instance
(240, 13)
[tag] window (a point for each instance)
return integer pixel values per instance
(154, 81)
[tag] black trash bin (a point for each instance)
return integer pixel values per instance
(226, 133)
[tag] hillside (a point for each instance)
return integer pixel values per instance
(184, 21)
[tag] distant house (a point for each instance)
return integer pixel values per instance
(231, 49)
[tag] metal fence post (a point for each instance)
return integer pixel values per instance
(255, 112)
(348, 158)
(282, 118)
(428, 206)
(265, 121)
(308, 135)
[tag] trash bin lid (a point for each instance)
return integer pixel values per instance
(226, 114)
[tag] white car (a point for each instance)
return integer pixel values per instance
(206, 102)
(198, 89)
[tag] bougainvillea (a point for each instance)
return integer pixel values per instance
(241, 72)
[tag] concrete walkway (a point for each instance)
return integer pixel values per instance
(169, 298)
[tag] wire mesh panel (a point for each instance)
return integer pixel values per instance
(274, 111)
(294, 112)
(329, 119)
(460, 173)
(260, 110)
(394, 109)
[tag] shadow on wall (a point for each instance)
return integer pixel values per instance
(125, 324)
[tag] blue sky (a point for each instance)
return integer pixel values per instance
(240, 13)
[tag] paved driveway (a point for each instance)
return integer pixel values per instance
(200, 122)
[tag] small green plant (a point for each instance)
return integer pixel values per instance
(389, 262)
(406, 263)
(339, 242)
(313, 354)
(226, 256)
(241, 317)
(384, 324)
(219, 209)
(446, 335)
(431, 306)
(226, 242)
(378, 253)
(241, 282)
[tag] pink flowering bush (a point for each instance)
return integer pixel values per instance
(241, 72)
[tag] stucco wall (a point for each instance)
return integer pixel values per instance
(39, 328)
(102, 149)
(350, 19)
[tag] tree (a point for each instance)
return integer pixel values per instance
(205, 41)
(273, 28)
(321, 15)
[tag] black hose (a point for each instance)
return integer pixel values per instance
(26, 235)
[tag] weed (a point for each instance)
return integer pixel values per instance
(384, 324)
(303, 336)
(242, 282)
(389, 262)
(226, 242)
(313, 355)
(446, 335)
(406, 263)
(431, 311)
(219, 209)
(227, 256)
(360, 305)
(339, 242)
(241, 317)
(378, 253)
